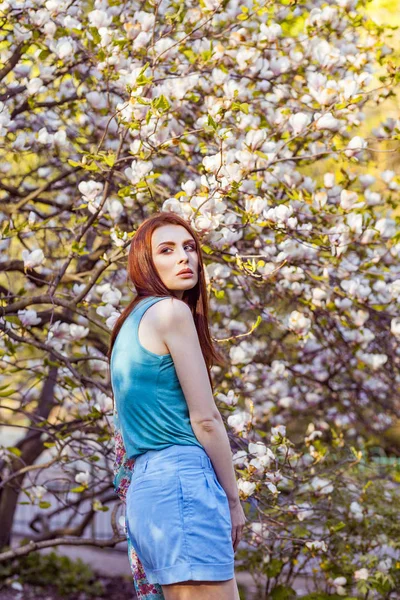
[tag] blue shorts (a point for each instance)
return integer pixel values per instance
(178, 518)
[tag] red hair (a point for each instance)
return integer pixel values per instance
(143, 274)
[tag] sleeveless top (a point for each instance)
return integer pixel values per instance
(151, 406)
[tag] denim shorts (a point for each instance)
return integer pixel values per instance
(178, 518)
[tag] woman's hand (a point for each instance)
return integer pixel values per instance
(238, 519)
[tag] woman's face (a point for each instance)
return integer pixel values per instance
(174, 249)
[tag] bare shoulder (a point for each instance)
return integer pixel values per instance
(171, 313)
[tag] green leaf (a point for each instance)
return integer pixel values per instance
(110, 159)
(211, 122)
(273, 568)
(281, 592)
(80, 488)
(6, 394)
(161, 104)
(14, 450)
(43, 504)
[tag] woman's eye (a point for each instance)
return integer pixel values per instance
(191, 248)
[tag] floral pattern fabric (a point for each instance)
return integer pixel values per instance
(123, 468)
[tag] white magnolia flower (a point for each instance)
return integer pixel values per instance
(255, 138)
(372, 198)
(321, 486)
(115, 208)
(28, 317)
(189, 187)
(112, 296)
(58, 335)
(230, 398)
(349, 200)
(278, 432)
(326, 121)
(357, 511)
(387, 175)
(32, 259)
(99, 18)
(339, 583)
(77, 332)
(355, 146)
(317, 545)
(38, 491)
(138, 170)
(104, 403)
(299, 322)
(299, 121)
(361, 574)
(386, 227)
(355, 222)
(239, 420)
(243, 353)
(90, 190)
(82, 477)
(105, 311)
(34, 85)
(64, 47)
(246, 487)
(270, 33)
(319, 295)
(44, 137)
(259, 449)
(112, 319)
(320, 199)
(212, 163)
(375, 361)
(304, 511)
(279, 214)
(329, 180)
(272, 488)
(240, 458)
(395, 326)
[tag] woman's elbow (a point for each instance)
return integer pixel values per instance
(207, 423)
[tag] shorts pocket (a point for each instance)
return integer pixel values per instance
(153, 515)
(222, 501)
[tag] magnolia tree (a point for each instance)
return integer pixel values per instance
(245, 118)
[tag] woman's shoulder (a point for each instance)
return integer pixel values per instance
(171, 312)
(172, 307)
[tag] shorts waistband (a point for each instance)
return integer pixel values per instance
(176, 456)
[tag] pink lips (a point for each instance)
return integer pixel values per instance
(186, 272)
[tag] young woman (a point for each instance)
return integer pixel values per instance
(183, 514)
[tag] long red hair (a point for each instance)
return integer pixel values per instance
(143, 274)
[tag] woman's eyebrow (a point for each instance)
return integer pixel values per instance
(173, 243)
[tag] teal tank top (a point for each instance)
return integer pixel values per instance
(151, 406)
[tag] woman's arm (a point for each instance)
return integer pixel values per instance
(178, 331)
(175, 325)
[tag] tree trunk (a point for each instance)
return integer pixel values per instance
(31, 447)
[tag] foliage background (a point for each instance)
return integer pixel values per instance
(302, 257)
